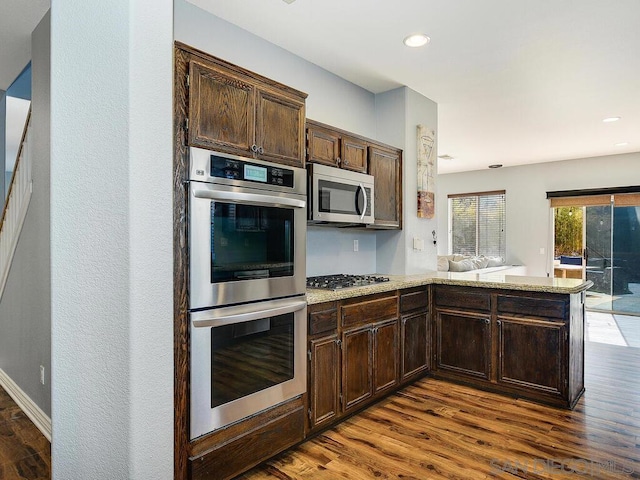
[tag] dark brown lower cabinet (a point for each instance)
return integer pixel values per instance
(415, 345)
(464, 343)
(357, 367)
(526, 344)
(324, 381)
(370, 362)
(532, 353)
(385, 355)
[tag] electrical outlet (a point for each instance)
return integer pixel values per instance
(418, 243)
(542, 250)
(42, 374)
(356, 247)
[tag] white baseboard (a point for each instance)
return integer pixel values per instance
(31, 410)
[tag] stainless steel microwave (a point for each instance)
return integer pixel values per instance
(337, 196)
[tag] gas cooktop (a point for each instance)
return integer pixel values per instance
(338, 281)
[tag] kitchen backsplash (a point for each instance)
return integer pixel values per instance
(331, 250)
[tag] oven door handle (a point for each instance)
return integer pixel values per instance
(250, 198)
(245, 313)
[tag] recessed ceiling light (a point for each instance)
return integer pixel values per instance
(495, 165)
(288, 1)
(622, 144)
(416, 40)
(445, 157)
(611, 119)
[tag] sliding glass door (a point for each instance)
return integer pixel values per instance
(611, 249)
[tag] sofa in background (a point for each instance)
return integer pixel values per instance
(478, 264)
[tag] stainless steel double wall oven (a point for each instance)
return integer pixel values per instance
(247, 242)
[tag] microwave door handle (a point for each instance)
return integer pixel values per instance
(364, 207)
(237, 315)
(250, 198)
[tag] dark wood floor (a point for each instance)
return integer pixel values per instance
(24, 452)
(436, 429)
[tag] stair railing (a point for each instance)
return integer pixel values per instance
(16, 205)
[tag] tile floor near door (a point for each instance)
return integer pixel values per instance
(24, 452)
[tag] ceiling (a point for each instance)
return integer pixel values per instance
(516, 81)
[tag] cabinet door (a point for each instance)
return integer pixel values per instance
(464, 343)
(323, 146)
(221, 109)
(415, 351)
(324, 377)
(532, 354)
(280, 129)
(386, 167)
(353, 153)
(356, 366)
(385, 355)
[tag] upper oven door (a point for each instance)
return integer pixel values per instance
(245, 244)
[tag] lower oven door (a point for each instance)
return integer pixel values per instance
(245, 359)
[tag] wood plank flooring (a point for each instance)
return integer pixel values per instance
(24, 452)
(435, 429)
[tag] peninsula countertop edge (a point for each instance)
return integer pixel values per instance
(496, 281)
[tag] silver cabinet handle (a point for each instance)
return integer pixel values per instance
(245, 313)
(260, 150)
(250, 198)
(254, 148)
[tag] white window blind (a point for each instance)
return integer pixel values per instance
(478, 224)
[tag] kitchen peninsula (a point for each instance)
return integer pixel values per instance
(516, 335)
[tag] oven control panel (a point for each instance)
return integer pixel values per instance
(234, 169)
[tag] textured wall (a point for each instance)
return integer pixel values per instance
(111, 239)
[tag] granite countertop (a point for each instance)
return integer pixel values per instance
(487, 280)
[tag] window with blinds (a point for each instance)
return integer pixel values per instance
(477, 224)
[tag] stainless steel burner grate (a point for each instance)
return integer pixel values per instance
(338, 281)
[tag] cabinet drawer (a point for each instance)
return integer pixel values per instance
(414, 300)
(468, 298)
(369, 311)
(323, 318)
(536, 307)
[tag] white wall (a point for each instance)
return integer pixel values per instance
(111, 239)
(528, 211)
(25, 307)
(399, 112)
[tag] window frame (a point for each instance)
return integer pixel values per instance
(477, 195)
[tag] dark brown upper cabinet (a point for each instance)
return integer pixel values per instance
(235, 111)
(335, 148)
(385, 164)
